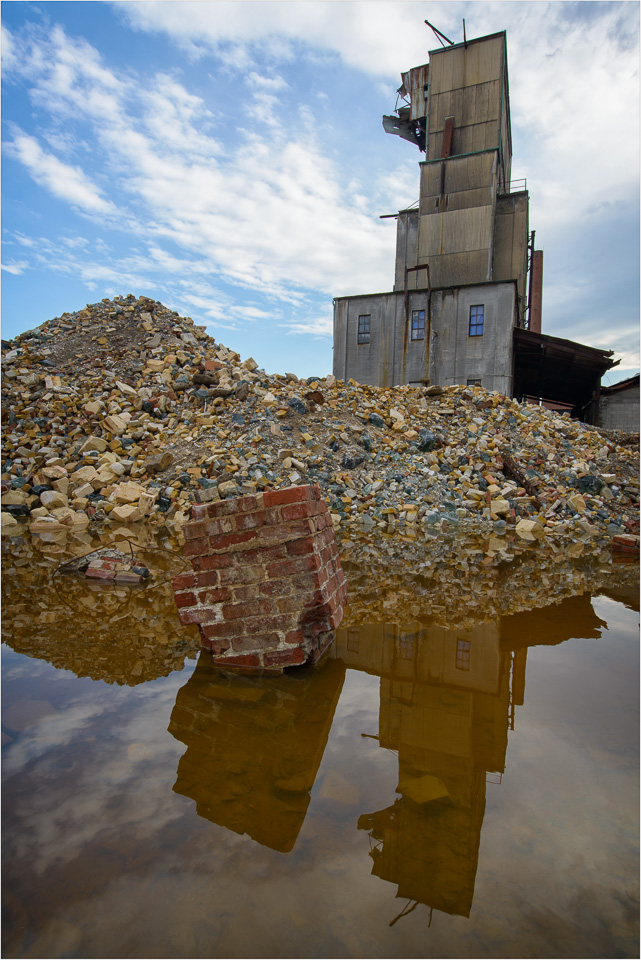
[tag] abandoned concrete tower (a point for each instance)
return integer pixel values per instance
(466, 303)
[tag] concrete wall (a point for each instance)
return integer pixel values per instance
(511, 230)
(620, 410)
(390, 357)
(455, 357)
(447, 355)
(466, 82)
(407, 250)
(456, 228)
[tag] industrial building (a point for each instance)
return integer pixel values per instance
(466, 305)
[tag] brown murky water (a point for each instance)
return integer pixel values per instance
(442, 787)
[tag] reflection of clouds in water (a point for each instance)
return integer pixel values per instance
(206, 906)
(17, 667)
(108, 784)
(617, 617)
(54, 731)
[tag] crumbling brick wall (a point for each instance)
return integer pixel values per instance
(266, 588)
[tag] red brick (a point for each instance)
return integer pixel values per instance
(290, 604)
(225, 508)
(262, 554)
(217, 647)
(249, 591)
(214, 561)
(240, 575)
(197, 548)
(247, 521)
(311, 562)
(272, 498)
(242, 660)
(298, 511)
(336, 618)
(294, 636)
(218, 526)
(194, 531)
(251, 608)
(184, 581)
(199, 511)
(297, 548)
(185, 599)
(100, 572)
(303, 583)
(231, 540)
(268, 624)
(219, 595)
(282, 568)
(281, 532)
(207, 579)
(222, 630)
(284, 658)
(275, 588)
(255, 642)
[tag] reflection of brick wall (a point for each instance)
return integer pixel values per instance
(267, 587)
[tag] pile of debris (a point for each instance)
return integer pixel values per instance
(124, 411)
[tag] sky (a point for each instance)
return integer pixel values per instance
(228, 159)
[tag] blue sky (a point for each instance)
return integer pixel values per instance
(228, 159)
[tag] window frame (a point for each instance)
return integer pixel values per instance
(417, 315)
(364, 330)
(476, 325)
(463, 654)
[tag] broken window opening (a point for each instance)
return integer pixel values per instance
(364, 328)
(476, 320)
(474, 383)
(418, 325)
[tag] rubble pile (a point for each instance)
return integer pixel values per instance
(125, 412)
(122, 632)
(127, 634)
(461, 580)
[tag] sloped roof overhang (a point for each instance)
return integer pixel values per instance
(560, 370)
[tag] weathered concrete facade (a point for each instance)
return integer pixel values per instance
(460, 284)
(619, 406)
(447, 354)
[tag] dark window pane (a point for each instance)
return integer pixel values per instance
(364, 328)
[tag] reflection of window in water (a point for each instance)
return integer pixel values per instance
(353, 638)
(405, 648)
(463, 654)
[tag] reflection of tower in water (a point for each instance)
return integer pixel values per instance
(445, 708)
(254, 745)
(447, 699)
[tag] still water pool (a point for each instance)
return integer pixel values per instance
(428, 792)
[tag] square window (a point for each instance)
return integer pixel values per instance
(463, 654)
(363, 328)
(474, 383)
(476, 321)
(418, 325)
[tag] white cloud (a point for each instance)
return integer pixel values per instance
(62, 180)
(267, 208)
(322, 326)
(16, 267)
